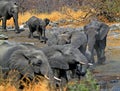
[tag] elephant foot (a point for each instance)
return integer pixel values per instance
(101, 61)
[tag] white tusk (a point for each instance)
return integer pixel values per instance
(57, 78)
(82, 63)
(90, 64)
(46, 77)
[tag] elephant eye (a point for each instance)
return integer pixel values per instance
(37, 64)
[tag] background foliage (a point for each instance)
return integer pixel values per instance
(109, 9)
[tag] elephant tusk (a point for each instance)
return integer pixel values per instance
(57, 78)
(82, 63)
(46, 77)
(90, 64)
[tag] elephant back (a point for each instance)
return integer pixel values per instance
(7, 51)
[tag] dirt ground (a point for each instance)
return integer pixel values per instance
(108, 74)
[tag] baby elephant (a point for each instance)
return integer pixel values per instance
(39, 25)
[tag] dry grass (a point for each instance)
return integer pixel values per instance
(41, 85)
(54, 16)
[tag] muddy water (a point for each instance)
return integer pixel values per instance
(108, 75)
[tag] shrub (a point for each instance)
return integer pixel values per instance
(87, 84)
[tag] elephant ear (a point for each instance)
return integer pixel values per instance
(104, 29)
(46, 21)
(19, 61)
(58, 63)
(13, 9)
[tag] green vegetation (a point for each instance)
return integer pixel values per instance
(87, 84)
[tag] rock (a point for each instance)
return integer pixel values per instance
(3, 37)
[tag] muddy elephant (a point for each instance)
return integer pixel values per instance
(39, 25)
(65, 58)
(27, 61)
(96, 32)
(9, 9)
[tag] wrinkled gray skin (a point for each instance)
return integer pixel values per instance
(76, 38)
(39, 25)
(21, 58)
(64, 58)
(9, 9)
(96, 33)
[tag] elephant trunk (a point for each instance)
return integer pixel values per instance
(90, 49)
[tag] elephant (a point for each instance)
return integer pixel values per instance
(27, 61)
(65, 58)
(9, 9)
(39, 25)
(76, 38)
(96, 32)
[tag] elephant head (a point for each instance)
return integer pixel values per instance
(46, 21)
(30, 63)
(96, 34)
(63, 39)
(77, 57)
(67, 57)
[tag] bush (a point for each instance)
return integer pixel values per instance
(87, 84)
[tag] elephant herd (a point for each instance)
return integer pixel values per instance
(67, 54)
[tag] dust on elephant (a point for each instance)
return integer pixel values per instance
(39, 25)
(9, 9)
(77, 39)
(26, 61)
(65, 58)
(96, 33)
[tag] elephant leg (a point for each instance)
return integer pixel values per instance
(40, 36)
(102, 57)
(30, 33)
(16, 25)
(44, 36)
(39, 31)
(98, 54)
(4, 24)
(63, 77)
(100, 49)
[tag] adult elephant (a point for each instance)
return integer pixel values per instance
(96, 33)
(27, 61)
(64, 58)
(39, 25)
(77, 39)
(9, 9)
